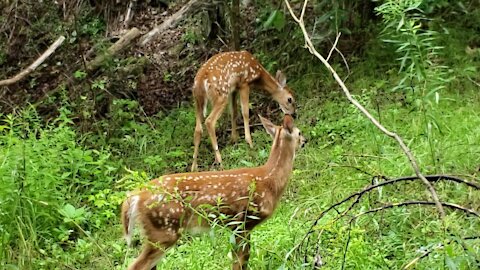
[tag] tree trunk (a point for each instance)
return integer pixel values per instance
(234, 19)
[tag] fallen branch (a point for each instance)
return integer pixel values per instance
(35, 64)
(407, 203)
(172, 21)
(403, 146)
(359, 194)
(392, 205)
(124, 42)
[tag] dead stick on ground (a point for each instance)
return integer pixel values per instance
(121, 44)
(125, 41)
(172, 21)
(406, 150)
(35, 64)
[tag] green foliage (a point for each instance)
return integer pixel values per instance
(61, 189)
(418, 48)
(79, 74)
(46, 180)
(91, 26)
(275, 20)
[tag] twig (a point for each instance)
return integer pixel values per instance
(392, 205)
(345, 62)
(438, 246)
(35, 64)
(425, 254)
(129, 14)
(407, 203)
(359, 194)
(334, 47)
(403, 146)
(170, 22)
(474, 82)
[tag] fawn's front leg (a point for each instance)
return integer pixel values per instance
(244, 94)
(242, 251)
(219, 105)
(233, 115)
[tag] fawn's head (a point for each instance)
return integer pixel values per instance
(284, 95)
(288, 132)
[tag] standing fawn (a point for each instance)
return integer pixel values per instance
(238, 198)
(220, 80)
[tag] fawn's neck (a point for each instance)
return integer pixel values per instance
(279, 164)
(267, 82)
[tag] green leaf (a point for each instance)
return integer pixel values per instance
(68, 210)
(275, 20)
(79, 74)
(400, 23)
(450, 263)
(232, 239)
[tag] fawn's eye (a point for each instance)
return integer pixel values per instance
(290, 100)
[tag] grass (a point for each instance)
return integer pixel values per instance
(91, 173)
(342, 142)
(344, 152)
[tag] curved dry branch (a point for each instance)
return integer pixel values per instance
(403, 146)
(407, 203)
(392, 205)
(175, 19)
(359, 194)
(35, 64)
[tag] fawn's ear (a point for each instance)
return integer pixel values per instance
(288, 123)
(281, 79)
(269, 126)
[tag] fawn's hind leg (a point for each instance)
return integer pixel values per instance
(158, 243)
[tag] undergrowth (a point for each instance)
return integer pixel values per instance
(64, 191)
(61, 189)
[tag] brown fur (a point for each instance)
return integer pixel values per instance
(220, 80)
(173, 203)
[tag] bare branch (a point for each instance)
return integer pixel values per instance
(438, 246)
(35, 64)
(172, 21)
(334, 47)
(404, 147)
(303, 10)
(425, 254)
(392, 205)
(407, 203)
(359, 194)
(291, 12)
(125, 41)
